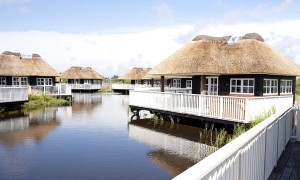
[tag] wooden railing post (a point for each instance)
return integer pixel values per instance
(221, 107)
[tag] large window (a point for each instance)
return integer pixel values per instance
(20, 81)
(44, 82)
(241, 86)
(188, 83)
(177, 83)
(2, 81)
(270, 86)
(286, 86)
(211, 86)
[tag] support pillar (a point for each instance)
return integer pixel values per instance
(152, 82)
(162, 83)
(203, 84)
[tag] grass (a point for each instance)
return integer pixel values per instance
(41, 101)
(262, 117)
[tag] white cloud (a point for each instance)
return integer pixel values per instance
(164, 12)
(10, 2)
(283, 5)
(112, 54)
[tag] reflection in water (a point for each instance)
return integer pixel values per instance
(33, 127)
(177, 145)
(86, 101)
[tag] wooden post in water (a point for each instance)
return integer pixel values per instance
(162, 83)
(203, 84)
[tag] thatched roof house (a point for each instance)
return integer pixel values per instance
(207, 55)
(222, 64)
(17, 70)
(12, 64)
(81, 73)
(135, 73)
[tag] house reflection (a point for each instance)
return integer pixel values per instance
(86, 101)
(177, 146)
(32, 127)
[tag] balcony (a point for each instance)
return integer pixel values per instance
(58, 90)
(144, 87)
(85, 86)
(236, 109)
(13, 94)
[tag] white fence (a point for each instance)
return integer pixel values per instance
(13, 94)
(86, 86)
(239, 109)
(127, 86)
(59, 89)
(253, 155)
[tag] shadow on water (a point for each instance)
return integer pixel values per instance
(177, 145)
(34, 126)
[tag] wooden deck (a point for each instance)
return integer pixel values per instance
(288, 165)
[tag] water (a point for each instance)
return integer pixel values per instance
(92, 139)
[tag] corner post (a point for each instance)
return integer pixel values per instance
(162, 83)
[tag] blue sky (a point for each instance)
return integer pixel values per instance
(115, 35)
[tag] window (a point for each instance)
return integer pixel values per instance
(270, 86)
(241, 86)
(44, 82)
(138, 82)
(177, 83)
(188, 83)
(286, 86)
(2, 81)
(87, 81)
(19, 81)
(211, 86)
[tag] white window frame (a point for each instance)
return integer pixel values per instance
(44, 82)
(242, 86)
(269, 85)
(286, 86)
(20, 81)
(189, 83)
(211, 85)
(2, 81)
(177, 83)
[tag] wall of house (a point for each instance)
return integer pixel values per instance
(8, 80)
(224, 83)
(196, 84)
(32, 80)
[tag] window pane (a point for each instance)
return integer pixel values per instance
(233, 82)
(245, 90)
(251, 82)
(245, 83)
(238, 89)
(233, 89)
(238, 82)
(251, 90)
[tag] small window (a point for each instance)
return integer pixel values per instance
(270, 86)
(188, 83)
(2, 81)
(286, 86)
(138, 82)
(241, 86)
(177, 83)
(44, 82)
(20, 81)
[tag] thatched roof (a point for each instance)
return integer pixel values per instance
(12, 64)
(207, 56)
(136, 73)
(81, 73)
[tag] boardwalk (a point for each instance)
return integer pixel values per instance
(288, 166)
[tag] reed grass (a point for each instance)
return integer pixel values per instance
(42, 101)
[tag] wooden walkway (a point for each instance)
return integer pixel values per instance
(288, 165)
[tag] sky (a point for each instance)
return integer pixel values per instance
(114, 36)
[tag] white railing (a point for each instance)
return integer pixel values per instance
(13, 94)
(58, 89)
(252, 155)
(86, 86)
(238, 109)
(127, 86)
(167, 89)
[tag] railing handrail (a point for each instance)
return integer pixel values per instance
(214, 160)
(246, 97)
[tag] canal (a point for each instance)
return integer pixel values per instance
(93, 139)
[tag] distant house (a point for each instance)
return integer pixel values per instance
(19, 72)
(25, 70)
(82, 79)
(136, 76)
(229, 75)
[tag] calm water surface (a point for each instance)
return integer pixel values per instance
(92, 139)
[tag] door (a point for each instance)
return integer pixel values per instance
(211, 86)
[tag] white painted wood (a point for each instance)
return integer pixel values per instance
(252, 155)
(13, 94)
(238, 109)
(58, 89)
(85, 86)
